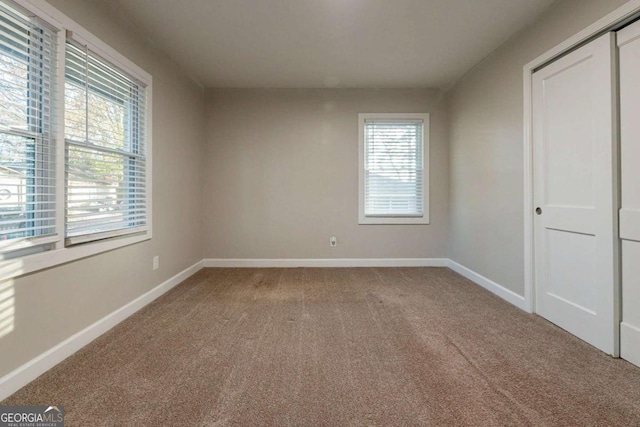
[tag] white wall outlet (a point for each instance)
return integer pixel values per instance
(333, 241)
(156, 262)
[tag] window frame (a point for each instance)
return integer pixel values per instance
(89, 145)
(364, 219)
(56, 251)
(35, 131)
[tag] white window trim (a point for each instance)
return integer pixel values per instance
(365, 219)
(60, 254)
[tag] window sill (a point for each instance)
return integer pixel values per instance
(13, 268)
(391, 220)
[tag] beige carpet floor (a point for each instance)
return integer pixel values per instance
(337, 347)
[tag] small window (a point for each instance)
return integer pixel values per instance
(105, 148)
(394, 169)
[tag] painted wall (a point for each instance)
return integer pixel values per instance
(282, 175)
(485, 110)
(49, 306)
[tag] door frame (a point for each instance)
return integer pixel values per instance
(610, 22)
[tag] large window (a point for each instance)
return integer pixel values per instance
(74, 144)
(27, 148)
(105, 144)
(394, 169)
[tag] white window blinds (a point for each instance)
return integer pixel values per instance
(105, 148)
(393, 163)
(27, 147)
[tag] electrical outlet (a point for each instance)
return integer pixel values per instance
(333, 241)
(156, 262)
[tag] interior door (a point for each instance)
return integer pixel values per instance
(629, 45)
(575, 196)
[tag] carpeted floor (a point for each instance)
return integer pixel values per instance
(337, 347)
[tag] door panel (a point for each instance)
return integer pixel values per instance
(575, 234)
(571, 269)
(629, 46)
(578, 220)
(630, 222)
(568, 153)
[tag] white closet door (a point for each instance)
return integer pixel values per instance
(629, 45)
(575, 230)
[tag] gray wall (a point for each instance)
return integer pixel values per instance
(282, 175)
(485, 110)
(51, 305)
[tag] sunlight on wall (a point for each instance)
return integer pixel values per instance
(7, 307)
(7, 295)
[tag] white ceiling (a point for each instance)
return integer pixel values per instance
(329, 43)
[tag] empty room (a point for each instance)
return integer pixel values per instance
(319, 212)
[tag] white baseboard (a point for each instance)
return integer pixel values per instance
(630, 343)
(330, 262)
(490, 285)
(26, 373)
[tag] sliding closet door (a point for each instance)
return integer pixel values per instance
(629, 44)
(575, 178)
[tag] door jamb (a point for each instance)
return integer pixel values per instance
(618, 16)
